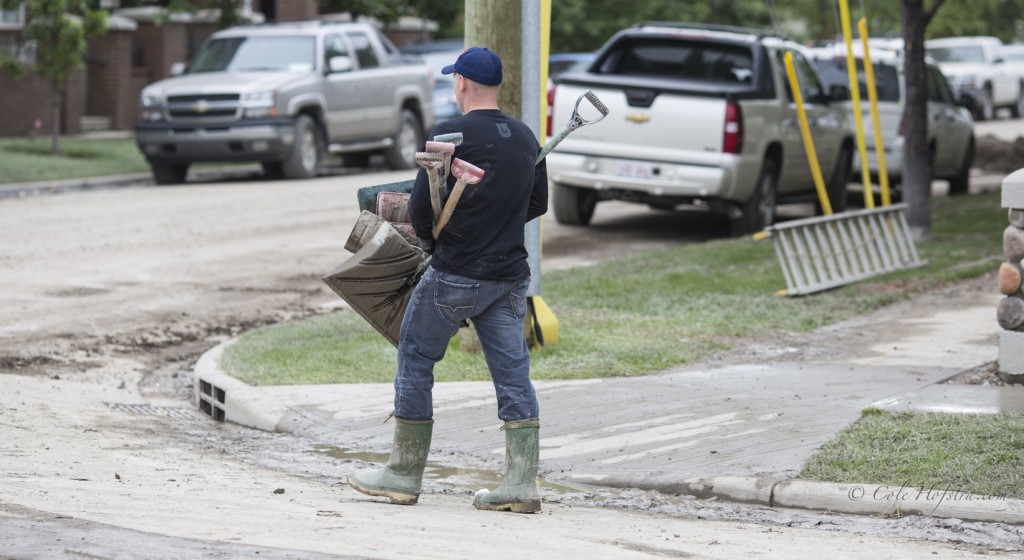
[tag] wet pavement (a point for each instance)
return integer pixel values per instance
(748, 421)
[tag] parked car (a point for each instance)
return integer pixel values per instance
(980, 74)
(950, 126)
(285, 94)
(701, 115)
(562, 63)
(437, 54)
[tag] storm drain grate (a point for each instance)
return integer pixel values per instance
(150, 410)
(211, 400)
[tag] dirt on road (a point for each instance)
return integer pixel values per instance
(109, 297)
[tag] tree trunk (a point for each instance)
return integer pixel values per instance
(55, 136)
(917, 164)
(497, 25)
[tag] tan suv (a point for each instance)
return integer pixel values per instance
(700, 115)
(284, 95)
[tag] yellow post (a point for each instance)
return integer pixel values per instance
(869, 74)
(851, 68)
(805, 132)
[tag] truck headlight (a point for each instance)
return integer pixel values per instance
(151, 108)
(259, 104)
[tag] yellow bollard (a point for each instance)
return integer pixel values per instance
(851, 68)
(805, 132)
(869, 74)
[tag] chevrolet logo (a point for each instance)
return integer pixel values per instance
(638, 118)
(201, 106)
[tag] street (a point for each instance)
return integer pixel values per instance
(109, 298)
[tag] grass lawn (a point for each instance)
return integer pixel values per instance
(643, 312)
(980, 454)
(28, 160)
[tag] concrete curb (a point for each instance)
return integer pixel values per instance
(23, 190)
(226, 398)
(872, 500)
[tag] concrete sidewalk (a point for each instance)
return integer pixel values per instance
(740, 432)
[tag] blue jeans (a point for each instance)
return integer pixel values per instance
(437, 308)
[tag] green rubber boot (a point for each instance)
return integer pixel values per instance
(518, 492)
(401, 478)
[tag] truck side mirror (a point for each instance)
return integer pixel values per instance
(340, 64)
(178, 68)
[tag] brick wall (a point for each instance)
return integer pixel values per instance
(295, 10)
(110, 88)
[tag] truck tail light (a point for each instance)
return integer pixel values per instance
(550, 112)
(903, 119)
(732, 138)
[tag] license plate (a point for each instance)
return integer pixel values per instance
(635, 170)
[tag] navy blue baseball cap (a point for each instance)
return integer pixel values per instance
(477, 64)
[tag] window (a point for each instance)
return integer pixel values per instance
(811, 89)
(334, 46)
(364, 50)
(674, 59)
(12, 18)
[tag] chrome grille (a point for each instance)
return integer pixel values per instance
(212, 107)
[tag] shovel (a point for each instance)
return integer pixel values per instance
(446, 149)
(467, 174)
(432, 162)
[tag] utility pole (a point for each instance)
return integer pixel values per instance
(517, 32)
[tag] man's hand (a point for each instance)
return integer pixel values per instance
(427, 245)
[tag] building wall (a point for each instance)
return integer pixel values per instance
(109, 77)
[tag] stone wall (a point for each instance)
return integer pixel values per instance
(1010, 311)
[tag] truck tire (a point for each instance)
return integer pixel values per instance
(758, 212)
(573, 206)
(407, 141)
(839, 184)
(987, 111)
(304, 158)
(1017, 109)
(169, 173)
(959, 184)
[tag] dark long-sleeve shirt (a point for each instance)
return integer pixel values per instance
(485, 237)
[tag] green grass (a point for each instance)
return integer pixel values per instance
(981, 454)
(641, 313)
(29, 160)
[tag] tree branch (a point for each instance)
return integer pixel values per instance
(930, 13)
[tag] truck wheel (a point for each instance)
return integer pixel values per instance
(987, 111)
(962, 181)
(169, 173)
(574, 206)
(1017, 110)
(759, 210)
(838, 186)
(408, 140)
(304, 158)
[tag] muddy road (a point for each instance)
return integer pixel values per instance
(108, 298)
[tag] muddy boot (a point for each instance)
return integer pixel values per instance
(518, 492)
(401, 478)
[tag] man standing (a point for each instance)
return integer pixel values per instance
(478, 272)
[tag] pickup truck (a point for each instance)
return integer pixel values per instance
(285, 95)
(703, 115)
(981, 75)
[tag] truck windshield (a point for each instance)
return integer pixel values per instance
(887, 80)
(257, 54)
(957, 54)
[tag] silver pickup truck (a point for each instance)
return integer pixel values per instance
(702, 115)
(284, 95)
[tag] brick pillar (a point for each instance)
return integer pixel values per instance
(111, 93)
(1010, 312)
(295, 10)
